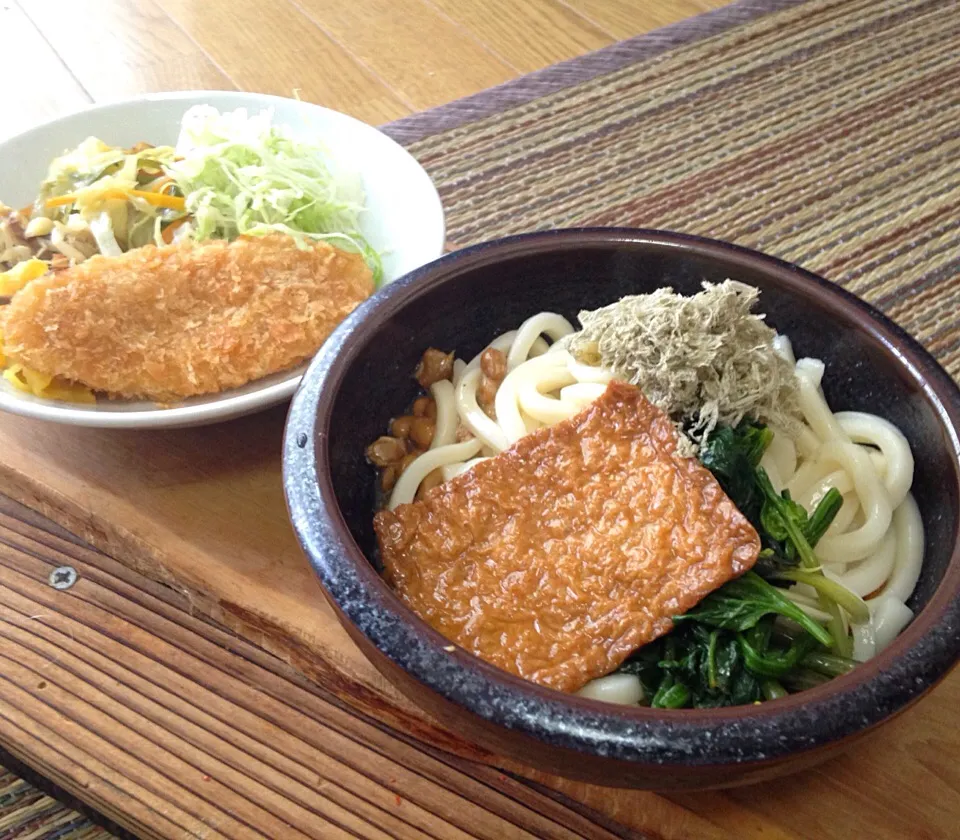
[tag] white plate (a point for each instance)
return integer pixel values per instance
(403, 221)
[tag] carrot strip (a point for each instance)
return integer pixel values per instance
(60, 201)
(167, 233)
(170, 202)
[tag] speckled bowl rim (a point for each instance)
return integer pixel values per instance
(920, 657)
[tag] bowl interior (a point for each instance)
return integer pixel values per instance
(462, 306)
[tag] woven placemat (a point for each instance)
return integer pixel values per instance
(825, 132)
(26, 813)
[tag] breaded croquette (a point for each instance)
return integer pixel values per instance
(187, 319)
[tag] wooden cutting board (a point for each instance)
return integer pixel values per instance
(202, 510)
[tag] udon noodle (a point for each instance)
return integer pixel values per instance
(874, 546)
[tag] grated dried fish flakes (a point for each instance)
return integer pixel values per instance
(705, 358)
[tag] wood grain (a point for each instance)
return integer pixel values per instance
(626, 18)
(202, 509)
(52, 89)
(116, 679)
(527, 35)
(279, 50)
(388, 36)
(149, 689)
(176, 727)
(117, 48)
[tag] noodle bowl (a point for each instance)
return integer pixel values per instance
(874, 547)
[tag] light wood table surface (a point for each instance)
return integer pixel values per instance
(375, 59)
(173, 725)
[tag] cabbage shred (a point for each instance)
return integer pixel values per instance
(241, 175)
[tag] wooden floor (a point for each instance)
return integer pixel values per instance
(374, 59)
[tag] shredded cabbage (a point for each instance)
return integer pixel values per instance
(241, 174)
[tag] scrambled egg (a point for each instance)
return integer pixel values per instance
(22, 273)
(23, 378)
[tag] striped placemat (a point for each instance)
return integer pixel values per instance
(28, 814)
(825, 132)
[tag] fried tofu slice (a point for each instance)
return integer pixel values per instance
(558, 558)
(164, 323)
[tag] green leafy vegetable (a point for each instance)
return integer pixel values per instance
(726, 651)
(732, 455)
(242, 175)
(833, 591)
(775, 663)
(828, 663)
(822, 517)
(742, 602)
(772, 690)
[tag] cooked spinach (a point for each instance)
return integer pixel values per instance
(724, 652)
(743, 601)
(733, 455)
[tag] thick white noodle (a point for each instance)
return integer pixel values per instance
(889, 616)
(874, 545)
(870, 574)
(862, 542)
(457, 401)
(473, 417)
(447, 420)
(451, 470)
(906, 570)
(814, 407)
(774, 475)
(808, 474)
(588, 373)
(405, 489)
(545, 323)
(616, 688)
(783, 347)
(807, 443)
(897, 457)
(845, 516)
(838, 479)
(506, 403)
(538, 348)
(581, 394)
(532, 399)
(864, 640)
(781, 454)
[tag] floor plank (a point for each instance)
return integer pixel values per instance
(271, 46)
(527, 35)
(626, 18)
(52, 90)
(117, 48)
(426, 58)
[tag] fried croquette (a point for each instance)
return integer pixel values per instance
(165, 323)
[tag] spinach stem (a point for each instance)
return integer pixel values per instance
(828, 663)
(772, 690)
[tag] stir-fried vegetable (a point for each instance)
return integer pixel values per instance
(747, 641)
(230, 174)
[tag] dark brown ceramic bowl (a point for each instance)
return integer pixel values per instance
(362, 378)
